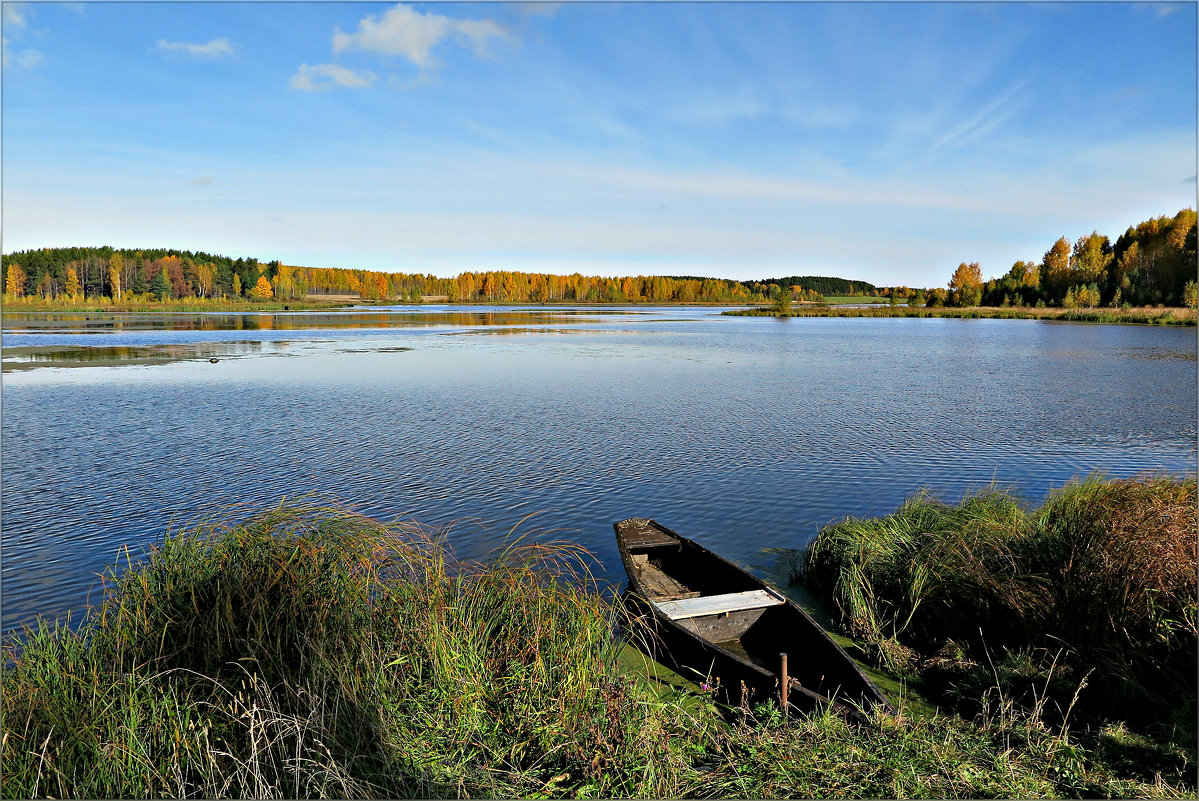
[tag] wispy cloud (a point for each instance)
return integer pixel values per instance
(1159, 10)
(217, 48)
(320, 77)
(405, 32)
(16, 21)
(719, 110)
(987, 119)
(16, 16)
(537, 9)
(25, 59)
(203, 180)
(748, 187)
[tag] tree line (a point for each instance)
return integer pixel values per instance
(1153, 262)
(164, 274)
(809, 285)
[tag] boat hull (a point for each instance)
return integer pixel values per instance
(714, 622)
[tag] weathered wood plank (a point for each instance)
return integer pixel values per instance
(651, 542)
(718, 604)
(640, 532)
(657, 584)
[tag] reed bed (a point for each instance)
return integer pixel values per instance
(315, 652)
(1097, 587)
(312, 652)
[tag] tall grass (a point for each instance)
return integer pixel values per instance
(313, 652)
(1119, 559)
(1141, 316)
(926, 568)
(316, 652)
(1101, 578)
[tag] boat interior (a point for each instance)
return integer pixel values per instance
(672, 571)
(721, 604)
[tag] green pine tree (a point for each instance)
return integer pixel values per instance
(161, 285)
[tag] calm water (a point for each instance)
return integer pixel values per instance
(745, 433)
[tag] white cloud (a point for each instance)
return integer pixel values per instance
(217, 48)
(403, 31)
(319, 77)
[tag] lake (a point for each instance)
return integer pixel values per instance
(747, 434)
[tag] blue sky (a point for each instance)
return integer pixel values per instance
(884, 142)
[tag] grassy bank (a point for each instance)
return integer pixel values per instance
(1142, 316)
(1086, 604)
(313, 652)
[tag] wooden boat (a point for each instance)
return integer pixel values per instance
(709, 619)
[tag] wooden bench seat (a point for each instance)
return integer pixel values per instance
(718, 604)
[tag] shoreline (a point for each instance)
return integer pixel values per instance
(1132, 316)
(350, 678)
(315, 304)
(1144, 315)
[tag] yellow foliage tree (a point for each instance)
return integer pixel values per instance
(1055, 269)
(466, 286)
(14, 282)
(205, 276)
(262, 290)
(72, 287)
(966, 284)
(116, 263)
(1090, 260)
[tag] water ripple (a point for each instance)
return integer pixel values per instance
(747, 434)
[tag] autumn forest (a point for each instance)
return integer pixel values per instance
(1153, 262)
